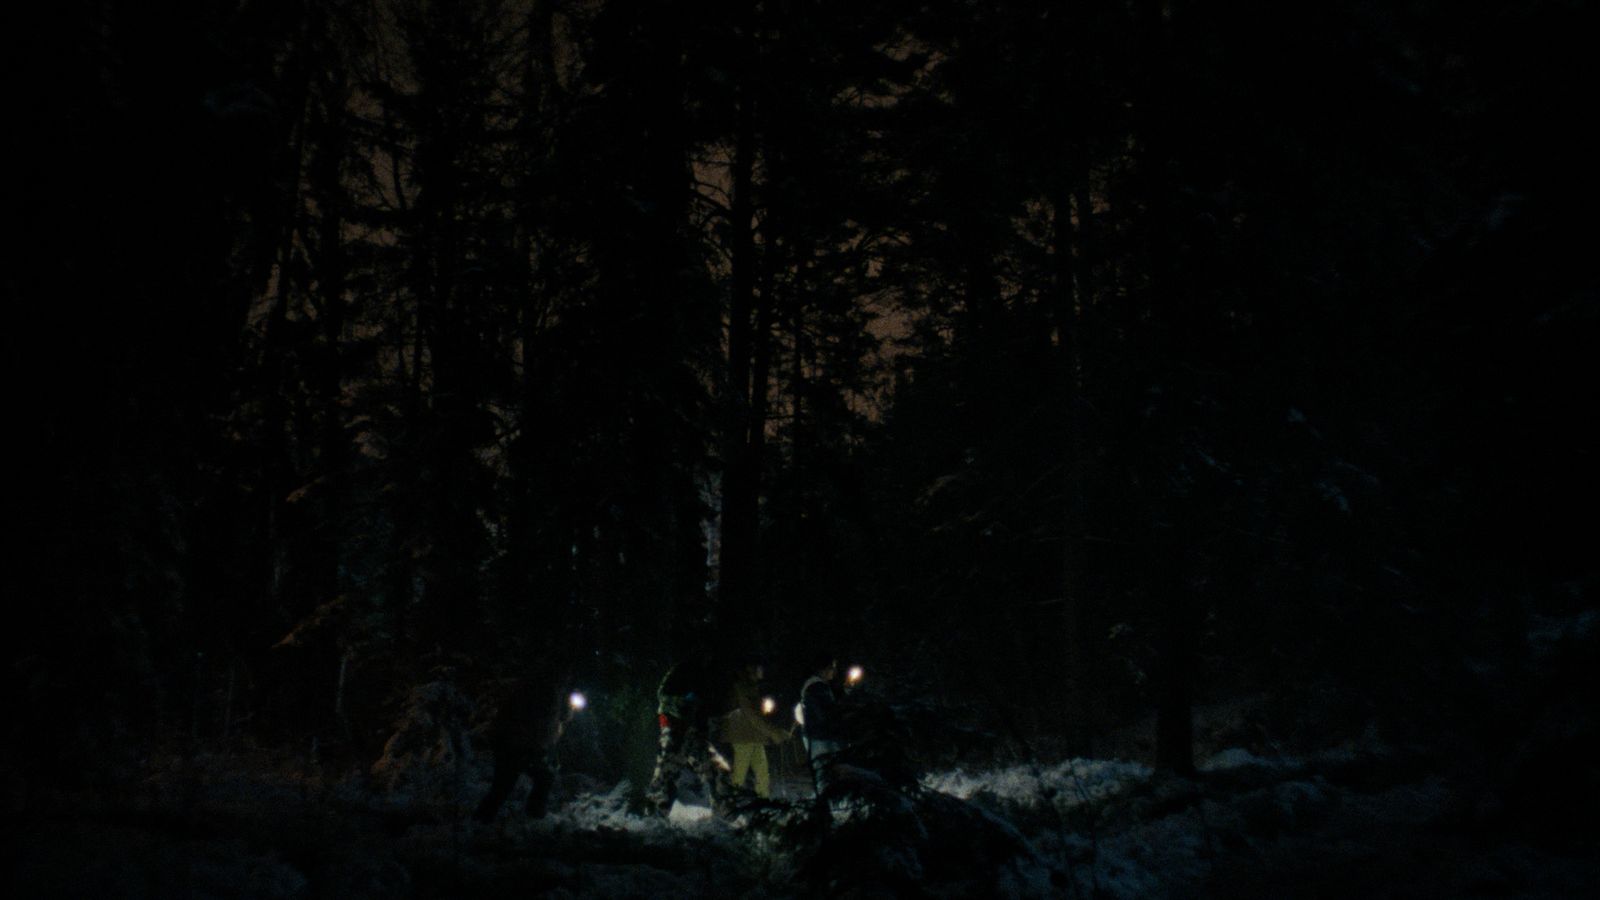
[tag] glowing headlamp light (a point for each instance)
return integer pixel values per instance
(854, 675)
(577, 701)
(768, 705)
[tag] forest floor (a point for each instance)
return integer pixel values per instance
(1342, 824)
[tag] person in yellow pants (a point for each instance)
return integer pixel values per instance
(749, 730)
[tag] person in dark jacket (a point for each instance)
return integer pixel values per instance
(687, 699)
(819, 720)
(532, 715)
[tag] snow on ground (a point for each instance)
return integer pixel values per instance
(1068, 783)
(1341, 823)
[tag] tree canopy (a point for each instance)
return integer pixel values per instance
(1076, 361)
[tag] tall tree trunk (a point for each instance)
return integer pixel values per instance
(329, 299)
(1175, 703)
(1070, 306)
(760, 380)
(741, 474)
(1176, 639)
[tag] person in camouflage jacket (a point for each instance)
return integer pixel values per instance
(686, 702)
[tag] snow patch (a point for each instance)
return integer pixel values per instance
(1331, 493)
(1240, 758)
(1068, 783)
(685, 814)
(1549, 631)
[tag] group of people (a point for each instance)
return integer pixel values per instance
(697, 709)
(699, 706)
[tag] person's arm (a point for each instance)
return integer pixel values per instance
(775, 734)
(750, 706)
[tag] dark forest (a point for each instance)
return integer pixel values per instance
(1150, 383)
